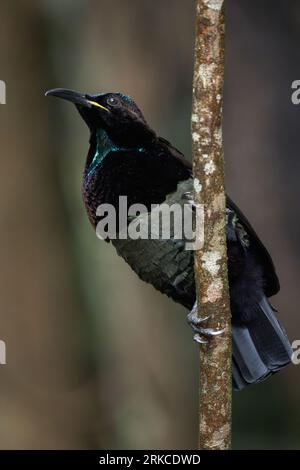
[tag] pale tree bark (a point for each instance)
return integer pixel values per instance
(211, 259)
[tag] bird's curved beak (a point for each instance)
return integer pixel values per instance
(75, 97)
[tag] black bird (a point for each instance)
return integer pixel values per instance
(127, 158)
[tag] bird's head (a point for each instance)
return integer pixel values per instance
(115, 113)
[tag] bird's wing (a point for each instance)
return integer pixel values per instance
(163, 261)
(271, 286)
(176, 154)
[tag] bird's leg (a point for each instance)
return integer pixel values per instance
(201, 334)
(193, 319)
(189, 198)
(188, 195)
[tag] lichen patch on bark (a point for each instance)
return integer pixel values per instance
(209, 168)
(210, 262)
(197, 185)
(214, 291)
(214, 4)
(195, 137)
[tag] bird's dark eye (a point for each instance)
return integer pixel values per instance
(112, 101)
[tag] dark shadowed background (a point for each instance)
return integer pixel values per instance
(96, 358)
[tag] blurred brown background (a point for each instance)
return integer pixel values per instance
(96, 358)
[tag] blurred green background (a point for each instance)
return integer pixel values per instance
(96, 358)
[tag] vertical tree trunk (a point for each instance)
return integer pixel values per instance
(211, 259)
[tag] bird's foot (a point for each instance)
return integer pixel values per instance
(189, 198)
(201, 335)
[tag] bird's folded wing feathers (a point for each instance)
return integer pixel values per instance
(163, 262)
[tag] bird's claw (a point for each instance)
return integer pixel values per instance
(189, 198)
(209, 331)
(199, 339)
(194, 321)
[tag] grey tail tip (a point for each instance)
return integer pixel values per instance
(260, 348)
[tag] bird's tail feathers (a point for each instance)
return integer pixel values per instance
(259, 348)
